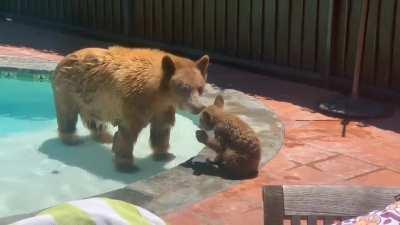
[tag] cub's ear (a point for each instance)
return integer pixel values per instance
(168, 67)
(202, 65)
(219, 101)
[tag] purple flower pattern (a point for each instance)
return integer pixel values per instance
(389, 216)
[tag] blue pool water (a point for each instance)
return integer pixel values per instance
(38, 171)
(24, 105)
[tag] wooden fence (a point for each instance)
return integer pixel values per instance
(291, 34)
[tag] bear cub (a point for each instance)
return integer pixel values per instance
(235, 142)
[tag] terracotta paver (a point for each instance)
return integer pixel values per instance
(306, 154)
(345, 167)
(305, 174)
(315, 151)
(379, 178)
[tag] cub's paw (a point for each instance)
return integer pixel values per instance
(201, 136)
(70, 139)
(166, 157)
(124, 165)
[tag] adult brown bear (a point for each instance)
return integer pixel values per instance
(128, 88)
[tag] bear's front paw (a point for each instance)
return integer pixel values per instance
(166, 157)
(124, 165)
(70, 139)
(201, 136)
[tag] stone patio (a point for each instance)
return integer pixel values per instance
(317, 150)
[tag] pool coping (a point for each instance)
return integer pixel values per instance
(178, 187)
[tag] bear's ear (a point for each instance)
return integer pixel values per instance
(202, 65)
(219, 101)
(168, 67)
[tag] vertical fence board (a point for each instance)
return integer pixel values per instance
(244, 45)
(25, 10)
(68, 11)
(296, 35)
(256, 29)
(16, 6)
(75, 12)
(27, 7)
(188, 22)
(270, 22)
(148, 19)
(168, 21)
(220, 24)
(385, 42)
(323, 26)
(232, 26)
(395, 81)
(9, 5)
(178, 21)
(282, 53)
(198, 26)
(117, 16)
(44, 9)
(23, 7)
(310, 34)
(341, 36)
(91, 4)
(36, 8)
(138, 7)
(158, 20)
(83, 15)
(60, 11)
(352, 39)
(52, 9)
(12, 5)
(4, 5)
(209, 24)
(371, 34)
(108, 14)
(100, 14)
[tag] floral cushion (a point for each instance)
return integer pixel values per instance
(389, 216)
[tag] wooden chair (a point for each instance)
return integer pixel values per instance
(322, 204)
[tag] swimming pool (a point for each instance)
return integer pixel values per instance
(37, 170)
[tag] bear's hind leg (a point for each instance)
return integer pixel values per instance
(160, 130)
(67, 117)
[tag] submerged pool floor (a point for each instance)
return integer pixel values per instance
(37, 170)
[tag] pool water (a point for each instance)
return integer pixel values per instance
(38, 171)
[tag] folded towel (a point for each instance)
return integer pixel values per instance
(94, 211)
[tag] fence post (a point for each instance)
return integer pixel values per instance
(127, 16)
